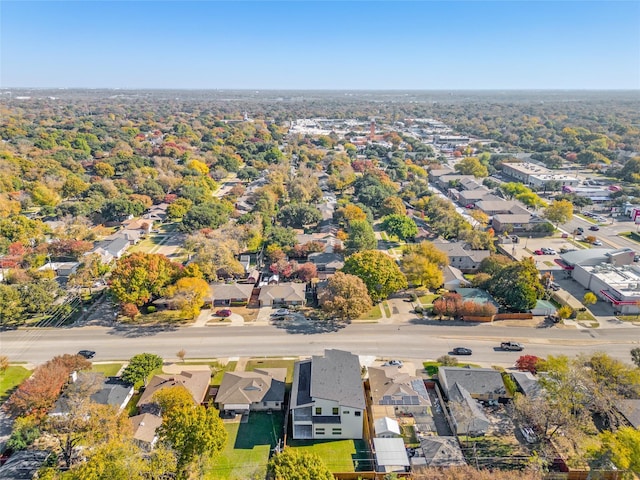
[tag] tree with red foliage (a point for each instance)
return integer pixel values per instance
(448, 305)
(37, 394)
(129, 310)
(528, 363)
(307, 271)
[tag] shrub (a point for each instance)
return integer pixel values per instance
(151, 309)
(448, 361)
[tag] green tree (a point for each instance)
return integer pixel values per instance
(402, 227)
(471, 166)
(121, 208)
(361, 237)
(179, 208)
(192, 431)
(379, 272)
(560, 211)
(298, 215)
(517, 286)
(564, 312)
(295, 465)
(393, 206)
(140, 367)
(210, 214)
(589, 298)
(345, 296)
(139, 277)
(25, 431)
(11, 308)
(494, 263)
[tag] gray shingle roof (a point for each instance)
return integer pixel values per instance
(477, 381)
(336, 376)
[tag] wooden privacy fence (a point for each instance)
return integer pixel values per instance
(513, 316)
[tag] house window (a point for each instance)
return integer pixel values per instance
(346, 412)
(336, 431)
(336, 410)
(264, 404)
(319, 431)
(318, 410)
(357, 413)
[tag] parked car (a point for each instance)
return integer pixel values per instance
(87, 353)
(597, 243)
(511, 346)
(462, 351)
(594, 228)
(579, 230)
(538, 252)
(225, 312)
(281, 312)
(393, 363)
(548, 251)
(554, 286)
(567, 250)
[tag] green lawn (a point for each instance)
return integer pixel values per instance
(220, 369)
(432, 367)
(409, 436)
(374, 314)
(248, 446)
(268, 363)
(11, 378)
(108, 369)
(387, 310)
(338, 455)
(428, 299)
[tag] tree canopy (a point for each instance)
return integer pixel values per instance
(379, 272)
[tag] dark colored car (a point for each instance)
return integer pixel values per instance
(225, 312)
(87, 353)
(462, 351)
(594, 228)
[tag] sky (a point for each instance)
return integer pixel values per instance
(362, 45)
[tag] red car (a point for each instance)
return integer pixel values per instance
(539, 252)
(225, 312)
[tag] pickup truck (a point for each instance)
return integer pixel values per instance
(511, 346)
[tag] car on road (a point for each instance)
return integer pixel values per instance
(594, 228)
(393, 363)
(87, 353)
(461, 351)
(511, 346)
(281, 312)
(225, 312)
(597, 243)
(579, 230)
(538, 252)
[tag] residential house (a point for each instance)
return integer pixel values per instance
(111, 391)
(327, 398)
(145, 428)
(450, 181)
(481, 383)
(327, 262)
(391, 455)
(157, 213)
(454, 278)
(230, 293)
(106, 257)
(495, 207)
(242, 392)
(470, 197)
(62, 269)
(436, 451)
(117, 247)
(461, 256)
(143, 225)
(466, 412)
(282, 294)
(195, 381)
(406, 393)
(329, 240)
(518, 222)
(435, 174)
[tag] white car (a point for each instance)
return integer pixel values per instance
(393, 363)
(281, 312)
(548, 251)
(597, 243)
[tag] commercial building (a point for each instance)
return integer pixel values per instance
(537, 176)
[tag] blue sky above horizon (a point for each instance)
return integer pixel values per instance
(321, 45)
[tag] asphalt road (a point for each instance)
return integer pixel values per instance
(608, 233)
(411, 341)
